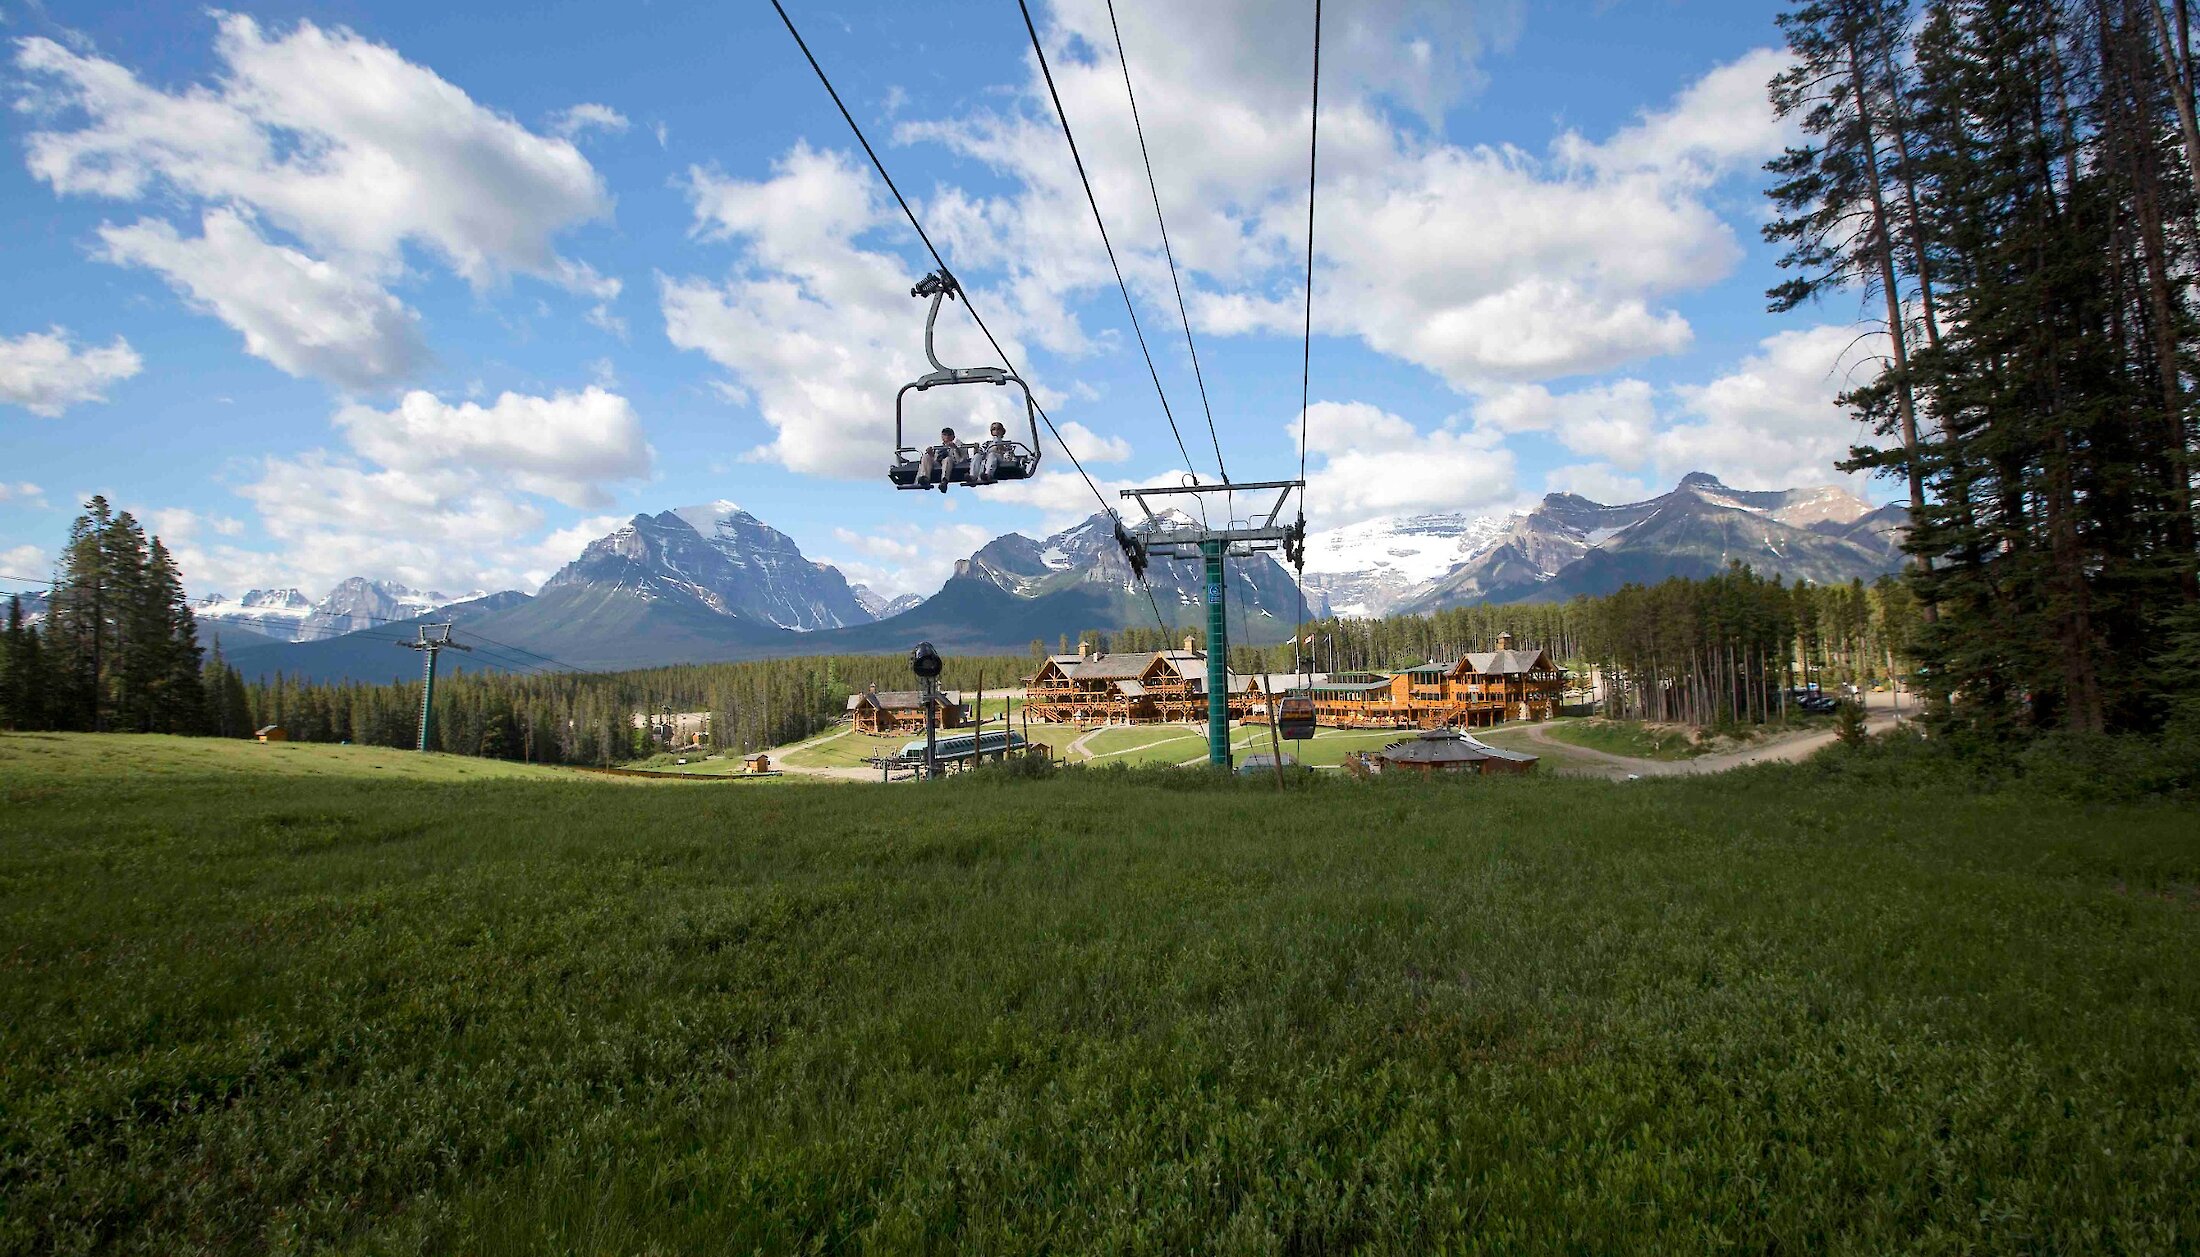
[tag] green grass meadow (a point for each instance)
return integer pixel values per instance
(257, 1000)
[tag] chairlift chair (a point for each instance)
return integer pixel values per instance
(1295, 717)
(1018, 461)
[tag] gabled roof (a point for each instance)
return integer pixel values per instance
(900, 700)
(1498, 663)
(1447, 746)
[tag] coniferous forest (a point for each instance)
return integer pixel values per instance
(2010, 185)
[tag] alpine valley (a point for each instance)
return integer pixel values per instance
(712, 582)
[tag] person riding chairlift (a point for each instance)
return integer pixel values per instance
(940, 460)
(986, 466)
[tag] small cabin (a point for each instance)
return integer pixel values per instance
(877, 711)
(758, 764)
(272, 733)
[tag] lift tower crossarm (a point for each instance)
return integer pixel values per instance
(1211, 546)
(434, 639)
(1190, 542)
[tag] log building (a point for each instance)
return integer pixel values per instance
(902, 711)
(1170, 685)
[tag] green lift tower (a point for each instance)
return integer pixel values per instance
(434, 640)
(1160, 534)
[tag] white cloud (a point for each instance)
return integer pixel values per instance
(1599, 482)
(1365, 462)
(1482, 264)
(333, 139)
(1721, 122)
(820, 332)
(564, 447)
(1091, 447)
(911, 561)
(308, 318)
(438, 494)
(1772, 422)
(44, 374)
(23, 491)
(1769, 421)
(586, 117)
(30, 562)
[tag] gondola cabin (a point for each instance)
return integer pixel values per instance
(1295, 717)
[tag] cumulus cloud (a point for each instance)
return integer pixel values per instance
(911, 561)
(1721, 122)
(1365, 461)
(1769, 421)
(308, 318)
(1481, 264)
(44, 373)
(22, 491)
(441, 494)
(27, 561)
(564, 447)
(336, 141)
(1773, 421)
(819, 330)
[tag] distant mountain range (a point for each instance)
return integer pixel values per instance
(287, 615)
(709, 583)
(1568, 545)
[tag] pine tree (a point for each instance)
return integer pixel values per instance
(22, 674)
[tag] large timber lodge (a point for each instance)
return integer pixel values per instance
(1160, 686)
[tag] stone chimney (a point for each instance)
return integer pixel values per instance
(1504, 641)
(1084, 651)
(1187, 643)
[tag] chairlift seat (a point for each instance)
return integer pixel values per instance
(1017, 461)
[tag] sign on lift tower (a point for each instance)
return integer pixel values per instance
(1162, 535)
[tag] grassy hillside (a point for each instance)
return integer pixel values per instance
(1104, 1012)
(27, 759)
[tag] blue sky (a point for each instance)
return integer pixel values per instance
(437, 294)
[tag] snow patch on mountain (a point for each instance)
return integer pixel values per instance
(1367, 568)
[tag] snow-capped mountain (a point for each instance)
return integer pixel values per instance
(1367, 568)
(1569, 545)
(882, 607)
(1085, 559)
(288, 616)
(720, 559)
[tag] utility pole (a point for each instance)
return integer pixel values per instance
(434, 639)
(1165, 537)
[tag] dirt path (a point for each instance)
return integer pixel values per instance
(1778, 750)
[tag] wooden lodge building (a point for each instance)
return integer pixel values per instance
(1170, 685)
(902, 711)
(1469, 692)
(1149, 687)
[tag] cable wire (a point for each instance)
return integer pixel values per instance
(968, 305)
(1166, 250)
(1306, 350)
(929, 247)
(1046, 71)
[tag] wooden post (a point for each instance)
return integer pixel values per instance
(1275, 742)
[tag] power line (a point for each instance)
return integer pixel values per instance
(1166, 250)
(1129, 307)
